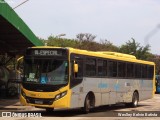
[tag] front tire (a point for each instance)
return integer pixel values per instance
(89, 103)
(49, 110)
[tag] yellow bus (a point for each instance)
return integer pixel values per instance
(56, 77)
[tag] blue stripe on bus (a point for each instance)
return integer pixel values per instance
(116, 87)
(102, 85)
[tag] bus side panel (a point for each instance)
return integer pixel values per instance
(77, 96)
(91, 84)
(80, 92)
(124, 90)
(146, 89)
(144, 95)
(112, 90)
(105, 91)
(128, 86)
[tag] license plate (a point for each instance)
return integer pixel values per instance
(38, 102)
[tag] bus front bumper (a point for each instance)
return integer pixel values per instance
(45, 103)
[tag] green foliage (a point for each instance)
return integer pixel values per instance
(108, 46)
(134, 48)
(59, 42)
(84, 41)
(87, 41)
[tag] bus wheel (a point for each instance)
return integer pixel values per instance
(135, 99)
(89, 103)
(49, 110)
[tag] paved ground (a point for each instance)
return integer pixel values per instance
(151, 105)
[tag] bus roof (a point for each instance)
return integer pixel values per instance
(102, 54)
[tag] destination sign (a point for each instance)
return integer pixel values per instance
(48, 52)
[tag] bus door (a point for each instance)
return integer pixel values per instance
(76, 80)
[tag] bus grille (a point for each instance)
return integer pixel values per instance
(41, 101)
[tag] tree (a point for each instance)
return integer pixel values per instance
(108, 46)
(60, 42)
(86, 41)
(134, 48)
(85, 37)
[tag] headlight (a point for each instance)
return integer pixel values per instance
(63, 94)
(60, 95)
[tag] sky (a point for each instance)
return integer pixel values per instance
(115, 20)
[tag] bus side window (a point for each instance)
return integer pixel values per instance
(112, 68)
(144, 71)
(150, 71)
(100, 67)
(138, 71)
(122, 69)
(90, 67)
(130, 70)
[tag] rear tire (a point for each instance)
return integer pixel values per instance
(135, 100)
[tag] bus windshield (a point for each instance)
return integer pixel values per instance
(46, 71)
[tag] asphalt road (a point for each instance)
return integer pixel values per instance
(150, 107)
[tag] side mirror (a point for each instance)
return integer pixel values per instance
(75, 68)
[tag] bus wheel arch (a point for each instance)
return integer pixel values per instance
(89, 102)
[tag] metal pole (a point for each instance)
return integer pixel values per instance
(150, 34)
(20, 4)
